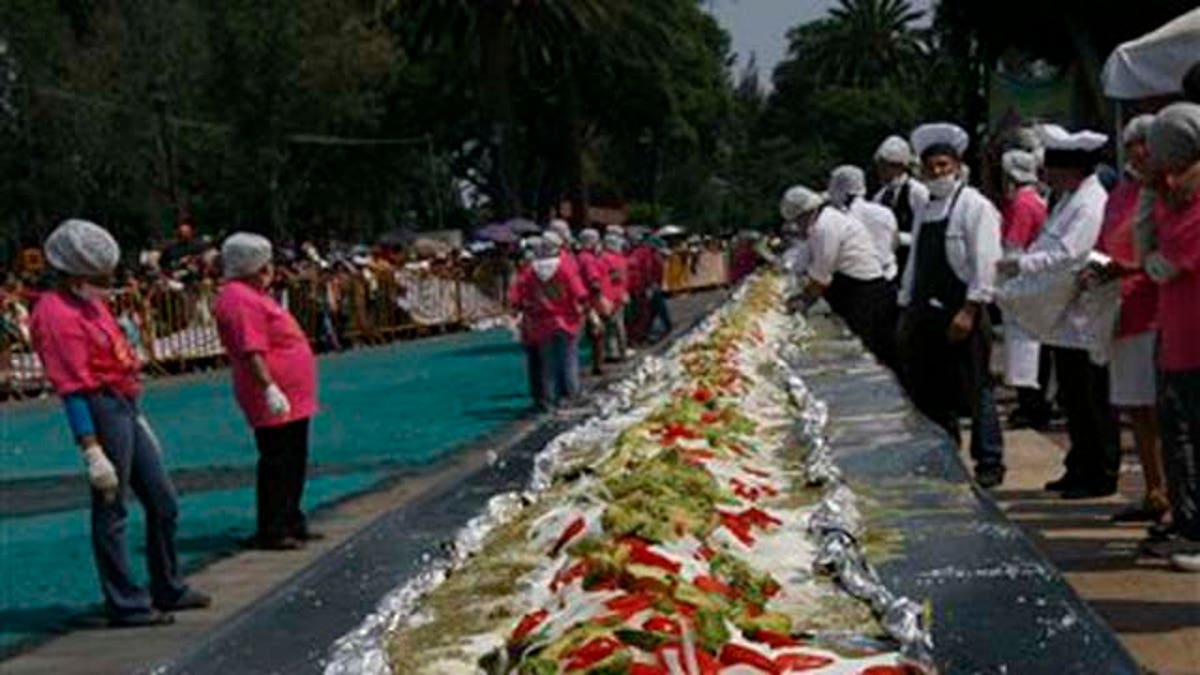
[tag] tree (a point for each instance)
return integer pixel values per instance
(863, 43)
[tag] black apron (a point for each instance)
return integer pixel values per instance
(901, 205)
(869, 309)
(937, 293)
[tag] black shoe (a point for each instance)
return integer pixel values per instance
(1063, 484)
(988, 477)
(190, 599)
(146, 620)
(1139, 513)
(1090, 491)
(1161, 532)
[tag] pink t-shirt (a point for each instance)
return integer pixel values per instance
(596, 275)
(251, 322)
(81, 346)
(1024, 216)
(1179, 298)
(1139, 293)
(618, 275)
(551, 306)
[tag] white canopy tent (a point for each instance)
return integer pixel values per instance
(1154, 64)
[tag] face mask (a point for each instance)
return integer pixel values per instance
(941, 188)
(899, 180)
(545, 268)
(90, 292)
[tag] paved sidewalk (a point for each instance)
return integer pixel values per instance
(1154, 610)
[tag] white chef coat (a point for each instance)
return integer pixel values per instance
(972, 243)
(881, 225)
(1071, 231)
(839, 243)
(918, 197)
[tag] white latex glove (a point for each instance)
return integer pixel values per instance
(277, 401)
(101, 473)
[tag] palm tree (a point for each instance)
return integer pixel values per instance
(863, 43)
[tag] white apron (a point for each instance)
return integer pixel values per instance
(1021, 356)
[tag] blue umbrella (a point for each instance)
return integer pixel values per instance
(500, 233)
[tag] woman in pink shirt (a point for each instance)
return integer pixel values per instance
(550, 297)
(91, 365)
(594, 268)
(618, 288)
(275, 383)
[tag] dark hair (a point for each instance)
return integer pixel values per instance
(1191, 83)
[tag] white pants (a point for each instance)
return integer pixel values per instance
(1131, 378)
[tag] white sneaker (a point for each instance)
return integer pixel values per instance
(1186, 562)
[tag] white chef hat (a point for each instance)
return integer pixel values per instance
(797, 201)
(244, 254)
(1020, 166)
(941, 138)
(894, 150)
(82, 248)
(1080, 149)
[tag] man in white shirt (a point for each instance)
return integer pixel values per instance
(903, 194)
(847, 187)
(845, 269)
(1064, 243)
(945, 333)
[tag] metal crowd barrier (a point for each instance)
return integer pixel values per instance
(172, 327)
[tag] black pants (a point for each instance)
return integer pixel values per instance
(869, 310)
(1095, 455)
(948, 380)
(1032, 401)
(282, 466)
(1179, 415)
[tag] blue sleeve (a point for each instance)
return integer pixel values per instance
(79, 415)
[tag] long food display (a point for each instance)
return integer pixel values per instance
(697, 525)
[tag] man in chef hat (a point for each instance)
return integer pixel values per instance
(1064, 243)
(904, 195)
(945, 333)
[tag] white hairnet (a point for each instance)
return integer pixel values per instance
(1174, 138)
(846, 182)
(798, 201)
(1020, 166)
(615, 229)
(244, 254)
(614, 242)
(1137, 129)
(82, 248)
(562, 228)
(552, 238)
(589, 237)
(894, 150)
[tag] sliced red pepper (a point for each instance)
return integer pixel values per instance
(707, 664)
(662, 624)
(528, 624)
(643, 555)
(567, 576)
(703, 395)
(646, 669)
(890, 670)
(626, 606)
(757, 517)
(710, 585)
(798, 662)
(738, 528)
(710, 418)
(591, 653)
(734, 655)
(774, 640)
(572, 530)
(705, 553)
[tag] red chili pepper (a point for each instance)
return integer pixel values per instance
(591, 653)
(528, 624)
(645, 556)
(568, 534)
(568, 576)
(738, 528)
(775, 640)
(733, 655)
(705, 553)
(646, 669)
(662, 624)
(703, 395)
(710, 418)
(760, 518)
(771, 588)
(707, 664)
(711, 585)
(799, 662)
(626, 606)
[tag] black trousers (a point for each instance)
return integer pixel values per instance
(282, 469)
(1095, 455)
(869, 309)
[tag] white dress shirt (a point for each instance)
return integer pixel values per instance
(918, 197)
(881, 225)
(1071, 231)
(839, 243)
(972, 244)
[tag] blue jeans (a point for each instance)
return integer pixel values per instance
(553, 368)
(130, 445)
